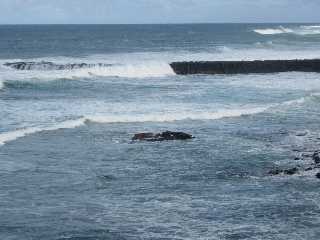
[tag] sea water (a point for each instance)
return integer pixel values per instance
(68, 168)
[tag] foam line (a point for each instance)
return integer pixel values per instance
(13, 135)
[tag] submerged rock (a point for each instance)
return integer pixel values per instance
(318, 175)
(164, 136)
(316, 157)
(275, 172)
(290, 171)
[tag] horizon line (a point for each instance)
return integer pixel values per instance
(173, 23)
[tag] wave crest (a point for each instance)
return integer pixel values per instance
(46, 70)
(300, 30)
(273, 31)
(19, 133)
(162, 117)
(51, 66)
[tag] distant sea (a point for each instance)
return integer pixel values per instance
(68, 168)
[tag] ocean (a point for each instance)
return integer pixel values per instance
(68, 167)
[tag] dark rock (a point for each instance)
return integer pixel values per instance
(164, 136)
(175, 135)
(316, 157)
(275, 172)
(309, 169)
(143, 136)
(291, 171)
(301, 134)
(318, 175)
(108, 177)
(237, 67)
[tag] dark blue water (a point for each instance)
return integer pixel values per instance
(68, 168)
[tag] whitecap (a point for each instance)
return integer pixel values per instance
(299, 30)
(156, 117)
(19, 133)
(273, 31)
(172, 117)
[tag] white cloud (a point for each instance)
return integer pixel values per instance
(146, 11)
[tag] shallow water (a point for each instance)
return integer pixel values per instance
(68, 169)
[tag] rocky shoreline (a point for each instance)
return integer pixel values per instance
(311, 159)
(298, 169)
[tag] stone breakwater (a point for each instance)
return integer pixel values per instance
(245, 67)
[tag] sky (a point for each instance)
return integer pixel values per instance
(156, 11)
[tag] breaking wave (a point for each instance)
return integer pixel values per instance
(300, 30)
(13, 135)
(152, 117)
(160, 117)
(272, 31)
(49, 70)
(163, 117)
(52, 66)
(130, 65)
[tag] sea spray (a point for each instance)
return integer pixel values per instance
(301, 30)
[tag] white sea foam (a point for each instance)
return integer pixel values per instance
(19, 133)
(1, 85)
(171, 117)
(300, 30)
(149, 117)
(145, 65)
(272, 31)
(298, 101)
(154, 69)
(157, 117)
(134, 70)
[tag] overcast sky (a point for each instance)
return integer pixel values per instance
(157, 11)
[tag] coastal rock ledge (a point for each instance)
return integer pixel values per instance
(246, 67)
(164, 136)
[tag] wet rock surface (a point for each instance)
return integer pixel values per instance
(306, 157)
(290, 171)
(316, 157)
(159, 137)
(245, 67)
(315, 164)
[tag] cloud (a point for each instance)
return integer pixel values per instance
(157, 11)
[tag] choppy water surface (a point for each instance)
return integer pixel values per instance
(68, 169)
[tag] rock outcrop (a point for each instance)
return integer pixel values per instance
(164, 136)
(290, 171)
(298, 169)
(316, 157)
(237, 67)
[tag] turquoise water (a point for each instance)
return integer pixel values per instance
(68, 168)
